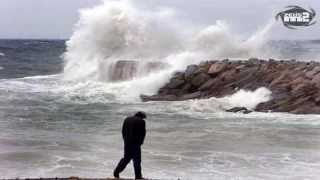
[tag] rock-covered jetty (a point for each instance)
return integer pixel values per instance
(295, 85)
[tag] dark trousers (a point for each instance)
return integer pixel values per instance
(130, 152)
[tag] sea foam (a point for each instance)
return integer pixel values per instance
(120, 30)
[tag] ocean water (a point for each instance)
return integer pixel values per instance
(53, 127)
(61, 115)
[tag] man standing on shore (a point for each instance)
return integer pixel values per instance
(133, 133)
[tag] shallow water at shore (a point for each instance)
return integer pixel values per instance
(50, 127)
(52, 131)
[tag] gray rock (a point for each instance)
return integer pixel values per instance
(253, 61)
(190, 71)
(303, 90)
(185, 89)
(282, 78)
(239, 109)
(228, 75)
(123, 70)
(296, 81)
(317, 99)
(316, 80)
(240, 67)
(271, 61)
(313, 72)
(225, 61)
(208, 84)
(217, 68)
(146, 98)
(128, 69)
(194, 95)
(175, 83)
(198, 80)
(179, 75)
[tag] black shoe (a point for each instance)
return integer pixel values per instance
(116, 175)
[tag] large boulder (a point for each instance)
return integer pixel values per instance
(303, 89)
(127, 69)
(123, 70)
(313, 72)
(208, 84)
(229, 75)
(198, 80)
(316, 80)
(217, 68)
(190, 71)
(283, 78)
(175, 83)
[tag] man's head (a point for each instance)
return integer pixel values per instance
(141, 114)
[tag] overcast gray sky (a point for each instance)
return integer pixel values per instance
(56, 18)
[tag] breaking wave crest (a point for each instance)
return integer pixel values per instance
(242, 98)
(119, 30)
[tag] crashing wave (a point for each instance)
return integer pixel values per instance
(119, 30)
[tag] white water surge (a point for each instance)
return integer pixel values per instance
(70, 124)
(119, 30)
(52, 128)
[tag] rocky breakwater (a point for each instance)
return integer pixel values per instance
(295, 85)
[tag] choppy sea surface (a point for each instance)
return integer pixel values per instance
(50, 127)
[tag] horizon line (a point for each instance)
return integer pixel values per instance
(65, 39)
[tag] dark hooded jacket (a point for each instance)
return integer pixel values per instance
(134, 130)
